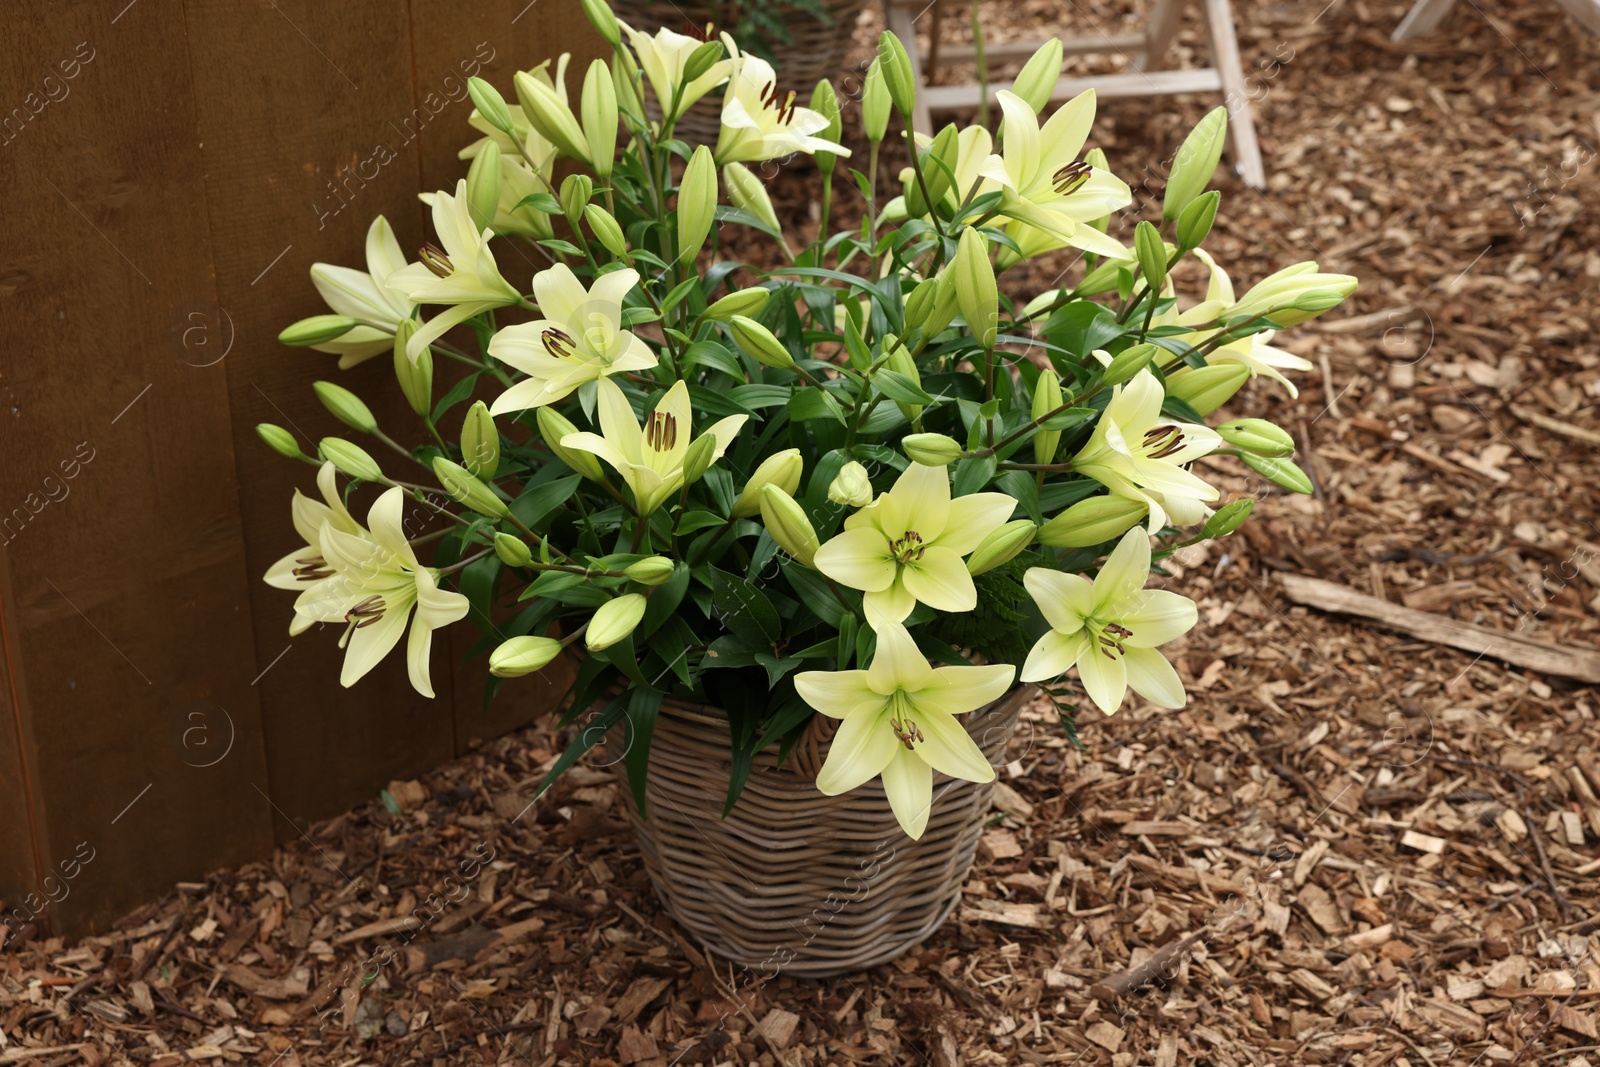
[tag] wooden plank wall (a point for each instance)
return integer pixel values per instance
(173, 168)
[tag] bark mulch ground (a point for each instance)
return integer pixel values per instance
(1355, 846)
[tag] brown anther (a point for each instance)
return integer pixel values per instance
(661, 431)
(558, 343)
(312, 569)
(433, 257)
(366, 613)
(786, 112)
(906, 732)
(909, 548)
(1072, 177)
(1118, 630)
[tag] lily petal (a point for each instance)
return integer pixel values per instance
(908, 783)
(860, 751)
(1156, 616)
(1152, 677)
(1064, 599)
(940, 580)
(859, 558)
(835, 693)
(1053, 655)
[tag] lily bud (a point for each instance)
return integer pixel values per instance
(1096, 158)
(606, 230)
(757, 340)
(1207, 388)
(1046, 398)
(920, 302)
(1195, 162)
(480, 442)
(825, 102)
(576, 192)
(1227, 519)
(976, 292)
(875, 103)
(280, 440)
(1092, 522)
(1151, 252)
(1194, 225)
(599, 108)
(746, 193)
(465, 489)
(491, 105)
(943, 148)
(624, 72)
(899, 360)
(555, 427)
(513, 551)
(851, 486)
(931, 449)
(350, 459)
(1103, 279)
(743, 302)
(523, 655)
(701, 60)
(702, 453)
(788, 525)
(614, 620)
(345, 406)
(1258, 437)
(1128, 363)
(415, 375)
(317, 330)
(1038, 77)
(1280, 472)
(652, 570)
(550, 116)
(898, 77)
(1001, 546)
(697, 203)
(603, 20)
(1293, 295)
(483, 186)
(945, 306)
(782, 469)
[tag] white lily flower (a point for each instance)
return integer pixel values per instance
(650, 458)
(306, 565)
(462, 274)
(365, 295)
(907, 546)
(899, 720)
(1110, 628)
(375, 584)
(662, 58)
(758, 123)
(579, 338)
(1137, 454)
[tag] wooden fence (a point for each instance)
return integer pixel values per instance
(172, 168)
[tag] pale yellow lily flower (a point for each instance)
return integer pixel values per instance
(366, 297)
(305, 565)
(663, 58)
(760, 123)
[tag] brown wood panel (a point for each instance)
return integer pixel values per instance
(125, 617)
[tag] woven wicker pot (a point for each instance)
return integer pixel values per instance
(793, 880)
(817, 51)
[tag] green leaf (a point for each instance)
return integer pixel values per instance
(477, 582)
(593, 733)
(692, 521)
(901, 388)
(714, 356)
(681, 290)
(1176, 408)
(643, 706)
(808, 404)
(458, 392)
(744, 608)
(814, 593)
(776, 668)
(634, 316)
(540, 500)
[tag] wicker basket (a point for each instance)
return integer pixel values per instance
(793, 880)
(817, 51)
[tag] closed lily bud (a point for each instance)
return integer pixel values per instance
(1092, 522)
(697, 203)
(1127, 363)
(345, 406)
(549, 115)
(483, 186)
(480, 442)
(931, 449)
(786, 521)
(825, 102)
(1194, 225)
(1001, 546)
(742, 302)
(468, 490)
(1227, 519)
(976, 292)
(523, 655)
(702, 59)
(1279, 296)
(782, 469)
(599, 109)
(899, 360)
(746, 193)
(757, 340)
(702, 453)
(555, 427)
(491, 105)
(350, 459)
(851, 486)
(1195, 162)
(942, 148)
(280, 440)
(946, 305)
(1096, 158)
(1151, 252)
(603, 20)
(1258, 437)
(1282, 473)
(1207, 388)
(898, 77)
(513, 551)
(606, 230)
(576, 192)
(415, 375)
(316, 330)
(875, 103)
(652, 570)
(920, 302)
(1046, 398)
(1038, 77)
(614, 620)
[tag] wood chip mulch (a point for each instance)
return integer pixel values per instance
(1353, 847)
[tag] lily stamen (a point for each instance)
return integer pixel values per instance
(312, 569)
(661, 431)
(433, 257)
(558, 342)
(1070, 178)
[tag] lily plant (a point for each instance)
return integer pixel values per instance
(856, 475)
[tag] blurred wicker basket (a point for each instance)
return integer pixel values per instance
(792, 880)
(816, 51)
